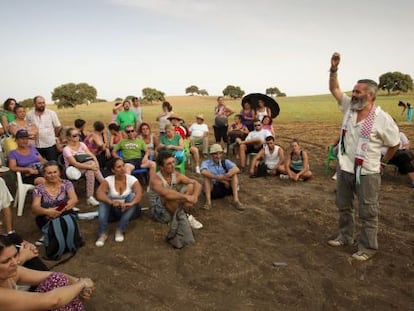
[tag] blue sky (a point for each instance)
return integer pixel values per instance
(122, 46)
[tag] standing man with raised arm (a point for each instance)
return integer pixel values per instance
(365, 129)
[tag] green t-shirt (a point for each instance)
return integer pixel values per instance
(125, 118)
(175, 141)
(131, 148)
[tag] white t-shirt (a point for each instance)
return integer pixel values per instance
(262, 134)
(113, 194)
(384, 133)
(198, 130)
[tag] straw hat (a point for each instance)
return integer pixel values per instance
(175, 116)
(215, 148)
(200, 116)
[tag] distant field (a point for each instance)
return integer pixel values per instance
(319, 108)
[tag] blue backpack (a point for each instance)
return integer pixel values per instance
(62, 235)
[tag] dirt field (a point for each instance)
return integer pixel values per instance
(230, 265)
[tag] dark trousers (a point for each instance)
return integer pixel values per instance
(49, 153)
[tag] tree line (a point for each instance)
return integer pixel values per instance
(73, 94)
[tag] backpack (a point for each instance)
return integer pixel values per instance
(180, 233)
(62, 235)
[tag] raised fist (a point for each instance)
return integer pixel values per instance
(335, 60)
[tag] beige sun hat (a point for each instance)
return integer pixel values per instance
(200, 116)
(215, 148)
(175, 116)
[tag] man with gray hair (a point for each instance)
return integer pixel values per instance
(365, 129)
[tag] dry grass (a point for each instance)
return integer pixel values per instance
(319, 108)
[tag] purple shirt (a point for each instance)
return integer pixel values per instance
(25, 160)
(47, 200)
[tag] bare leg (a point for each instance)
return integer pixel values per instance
(207, 190)
(7, 219)
(234, 186)
(243, 149)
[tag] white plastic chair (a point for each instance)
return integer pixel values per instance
(21, 193)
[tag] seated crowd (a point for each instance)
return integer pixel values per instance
(118, 157)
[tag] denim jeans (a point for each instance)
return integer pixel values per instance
(108, 212)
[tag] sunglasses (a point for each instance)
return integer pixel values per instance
(130, 131)
(75, 135)
(257, 125)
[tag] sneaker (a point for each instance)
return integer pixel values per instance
(239, 206)
(336, 242)
(40, 241)
(92, 201)
(198, 170)
(283, 176)
(361, 256)
(334, 177)
(194, 223)
(101, 240)
(119, 236)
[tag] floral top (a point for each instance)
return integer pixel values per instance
(47, 200)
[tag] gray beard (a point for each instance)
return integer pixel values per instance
(358, 103)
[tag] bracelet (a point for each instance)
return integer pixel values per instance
(333, 69)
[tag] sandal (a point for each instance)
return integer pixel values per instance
(361, 256)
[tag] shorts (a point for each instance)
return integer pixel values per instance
(252, 149)
(135, 162)
(220, 191)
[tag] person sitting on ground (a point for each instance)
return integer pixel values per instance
(74, 165)
(20, 123)
(5, 202)
(248, 115)
(133, 151)
(152, 142)
(80, 126)
(126, 117)
(118, 196)
(253, 142)
(402, 158)
(297, 163)
(170, 189)
(267, 125)
(55, 290)
(48, 196)
(97, 143)
(273, 158)
(220, 178)
(116, 135)
(26, 159)
(199, 133)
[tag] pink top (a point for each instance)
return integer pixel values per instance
(69, 152)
